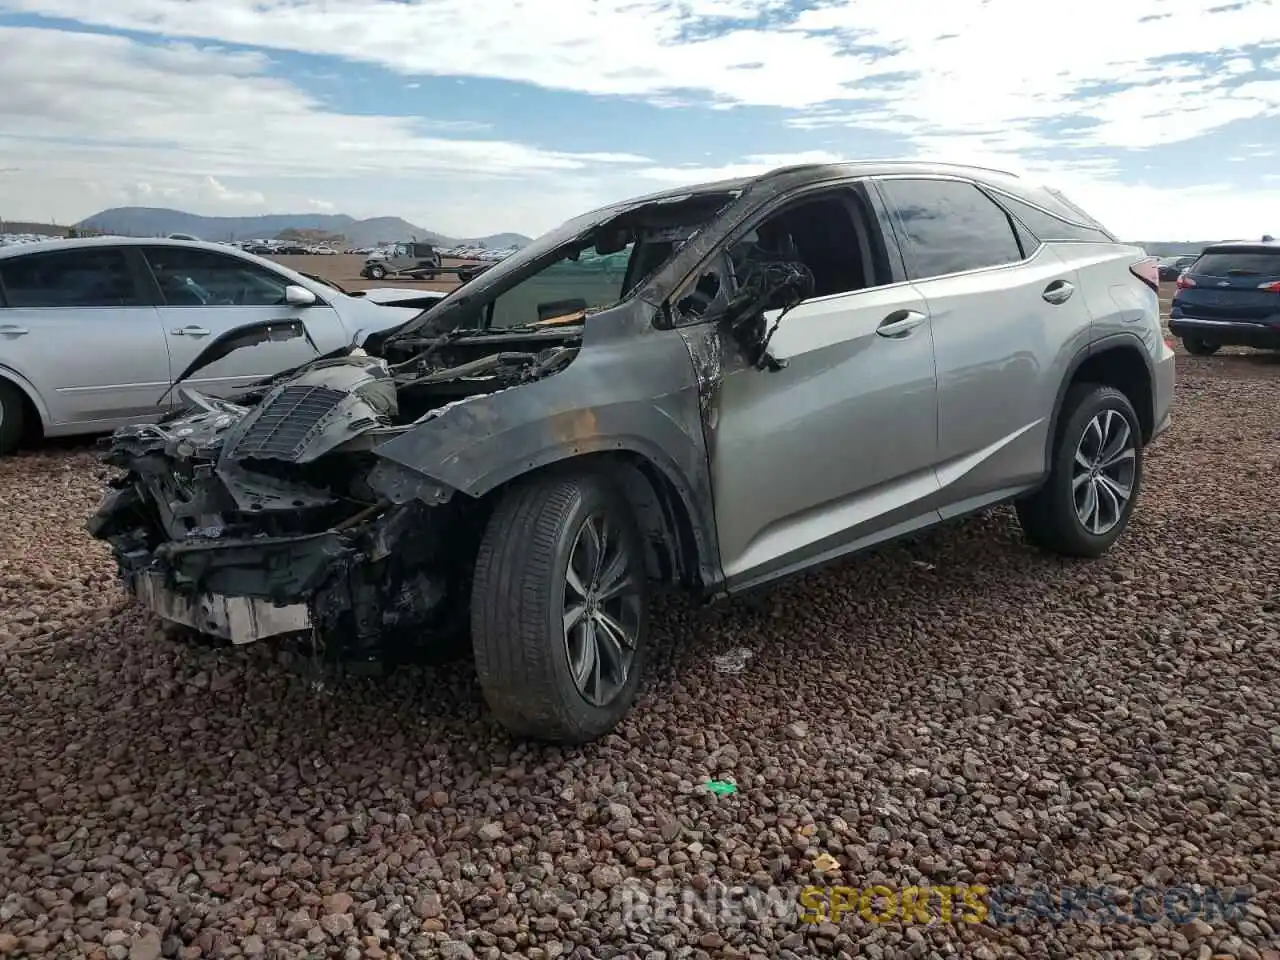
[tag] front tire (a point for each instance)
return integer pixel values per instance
(377, 272)
(1198, 347)
(12, 418)
(1095, 477)
(559, 609)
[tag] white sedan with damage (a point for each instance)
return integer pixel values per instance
(94, 333)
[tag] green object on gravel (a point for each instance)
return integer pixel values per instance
(720, 788)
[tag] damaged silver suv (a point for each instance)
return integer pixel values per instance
(711, 388)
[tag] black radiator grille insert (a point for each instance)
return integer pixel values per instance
(283, 425)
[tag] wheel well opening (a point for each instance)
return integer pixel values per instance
(671, 550)
(1123, 369)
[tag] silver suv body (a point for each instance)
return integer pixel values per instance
(713, 387)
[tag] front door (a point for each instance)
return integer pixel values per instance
(76, 325)
(205, 293)
(836, 449)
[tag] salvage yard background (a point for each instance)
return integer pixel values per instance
(345, 269)
(954, 709)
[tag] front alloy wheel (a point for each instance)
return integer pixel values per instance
(601, 611)
(559, 607)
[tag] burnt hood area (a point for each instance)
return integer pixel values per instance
(279, 493)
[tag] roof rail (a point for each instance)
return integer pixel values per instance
(792, 168)
(974, 166)
(942, 163)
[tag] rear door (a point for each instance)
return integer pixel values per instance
(1240, 283)
(1004, 310)
(79, 326)
(204, 293)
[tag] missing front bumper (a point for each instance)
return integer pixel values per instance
(238, 619)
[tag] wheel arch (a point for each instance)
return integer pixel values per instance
(34, 409)
(678, 548)
(1121, 361)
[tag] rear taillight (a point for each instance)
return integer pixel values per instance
(1184, 281)
(1148, 271)
(1270, 287)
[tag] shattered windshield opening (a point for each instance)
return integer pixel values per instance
(588, 264)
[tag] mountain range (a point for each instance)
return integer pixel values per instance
(159, 222)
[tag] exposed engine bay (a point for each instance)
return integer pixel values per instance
(276, 498)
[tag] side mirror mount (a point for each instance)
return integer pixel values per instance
(700, 302)
(766, 287)
(296, 296)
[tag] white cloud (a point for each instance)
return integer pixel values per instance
(994, 79)
(963, 66)
(104, 119)
(1135, 211)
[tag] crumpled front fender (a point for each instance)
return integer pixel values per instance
(635, 394)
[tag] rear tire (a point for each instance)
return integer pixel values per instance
(1097, 457)
(1198, 347)
(13, 417)
(546, 673)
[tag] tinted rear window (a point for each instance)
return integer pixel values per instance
(1243, 263)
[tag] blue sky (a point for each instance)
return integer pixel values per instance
(1159, 116)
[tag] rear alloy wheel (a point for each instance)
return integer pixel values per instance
(1200, 348)
(1093, 483)
(559, 609)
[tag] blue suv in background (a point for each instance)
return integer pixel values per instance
(1230, 296)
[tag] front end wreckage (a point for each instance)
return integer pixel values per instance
(275, 514)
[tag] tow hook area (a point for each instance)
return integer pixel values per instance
(238, 619)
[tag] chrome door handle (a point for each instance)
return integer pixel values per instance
(1058, 292)
(899, 323)
(13, 330)
(191, 331)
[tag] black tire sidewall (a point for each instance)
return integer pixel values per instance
(377, 273)
(12, 418)
(594, 493)
(1089, 406)
(1199, 347)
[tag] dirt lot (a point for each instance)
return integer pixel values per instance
(955, 710)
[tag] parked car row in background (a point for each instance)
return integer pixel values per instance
(1229, 296)
(1170, 267)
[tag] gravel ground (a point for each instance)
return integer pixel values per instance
(959, 709)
